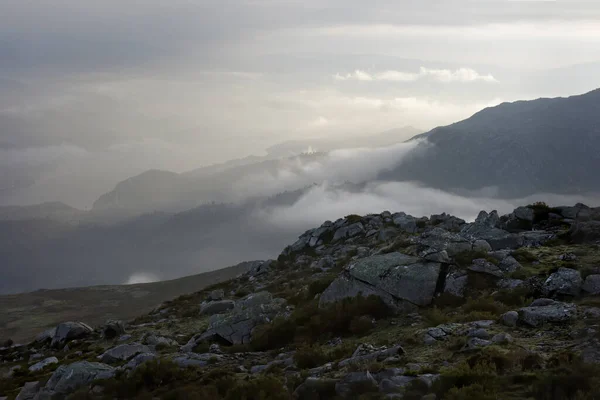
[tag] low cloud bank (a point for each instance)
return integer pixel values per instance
(329, 203)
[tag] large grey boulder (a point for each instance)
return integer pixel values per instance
(456, 283)
(236, 326)
(217, 307)
(46, 336)
(113, 329)
(28, 391)
(485, 228)
(565, 281)
(123, 352)
(139, 360)
(215, 295)
(592, 284)
(439, 240)
(540, 312)
(585, 232)
(348, 386)
(68, 331)
(524, 214)
(348, 231)
(406, 223)
(485, 267)
(43, 364)
(394, 277)
(68, 378)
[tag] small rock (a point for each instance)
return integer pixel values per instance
(502, 338)
(28, 391)
(555, 312)
(475, 343)
(216, 295)
(478, 333)
(42, 364)
(483, 266)
(217, 307)
(123, 352)
(510, 318)
(113, 329)
(592, 284)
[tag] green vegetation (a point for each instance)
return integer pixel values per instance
(311, 324)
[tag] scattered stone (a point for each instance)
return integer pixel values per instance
(139, 359)
(28, 391)
(478, 333)
(216, 295)
(123, 352)
(68, 331)
(592, 284)
(483, 266)
(113, 329)
(43, 364)
(475, 343)
(68, 378)
(502, 338)
(217, 307)
(379, 355)
(554, 312)
(510, 318)
(565, 281)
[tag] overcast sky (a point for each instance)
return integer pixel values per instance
(92, 92)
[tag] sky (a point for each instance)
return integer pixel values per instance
(94, 92)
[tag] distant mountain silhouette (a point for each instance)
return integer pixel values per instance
(521, 148)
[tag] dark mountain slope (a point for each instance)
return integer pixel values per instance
(526, 147)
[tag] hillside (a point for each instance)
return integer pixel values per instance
(23, 316)
(379, 306)
(521, 148)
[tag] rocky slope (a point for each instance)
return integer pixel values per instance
(380, 306)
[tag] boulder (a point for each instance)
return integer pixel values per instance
(585, 232)
(377, 355)
(510, 318)
(438, 240)
(113, 329)
(46, 336)
(42, 364)
(355, 382)
(485, 228)
(524, 214)
(139, 360)
(28, 391)
(68, 378)
(315, 388)
(123, 352)
(565, 281)
(485, 267)
(543, 312)
(216, 295)
(236, 326)
(348, 231)
(394, 277)
(68, 331)
(155, 340)
(456, 283)
(217, 307)
(592, 284)
(196, 360)
(406, 223)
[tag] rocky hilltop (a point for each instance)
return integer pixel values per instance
(379, 306)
